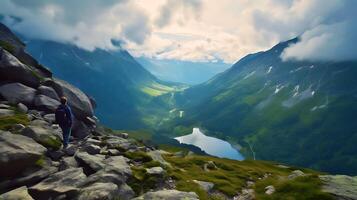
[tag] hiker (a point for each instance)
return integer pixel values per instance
(64, 119)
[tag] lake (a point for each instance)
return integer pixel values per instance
(211, 145)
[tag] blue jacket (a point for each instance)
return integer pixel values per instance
(69, 116)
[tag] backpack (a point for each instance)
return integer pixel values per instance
(61, 116)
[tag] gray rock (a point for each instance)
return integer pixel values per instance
(48, 91)
(23, 94)
(117, 142)
(4, 106)
(6, 113)
(125, 192)
(40, 122)
(91, 163)
(92, 149)
(93, 141)
(168, 195)
(17, 153)
(11, 69)
(30, 179)
(45, 136)
(70, 150)
(113, 152)
(55, 155)
(118, 165)
(296, 173)
(210, 165)
(22, 107)
(157, 156)
(17, 194)
(269, 190)
(65, 182)
(157, 171)
(341, 186)
(17, 128)
(68, 162)
(99, 191)
(50, 118)
(79, 102)
(206, 186)
(247, 194)
(80, 129)
(46, 103)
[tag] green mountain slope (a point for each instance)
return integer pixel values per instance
(125, 92)
(296, 112)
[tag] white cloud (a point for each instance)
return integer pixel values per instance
(194, 30)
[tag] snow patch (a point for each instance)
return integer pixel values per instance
(181, 113)
(249, 75)
(269, 70)
(278, 88)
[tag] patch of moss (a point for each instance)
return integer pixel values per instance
(40, 162)
(300, 188)
(7, 122)
(231, 177)
(51, 142)
(7, 46)
(142, 182)
(138, 156)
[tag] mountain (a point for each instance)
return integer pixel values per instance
(101, 163)
(297, 112)
(123, 89)
(182, 71)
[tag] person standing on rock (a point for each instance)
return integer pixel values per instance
(64, 119)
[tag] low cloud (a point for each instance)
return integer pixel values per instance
(193, 30)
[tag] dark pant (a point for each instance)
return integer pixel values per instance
(66, 131)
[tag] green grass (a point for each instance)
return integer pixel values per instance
(7, 46)
(138, 156)
(231, 176)
(7, 122)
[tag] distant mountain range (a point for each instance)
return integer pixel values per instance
(182, 71)
(301, 113)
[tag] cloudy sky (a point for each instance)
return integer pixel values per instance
(193, 30)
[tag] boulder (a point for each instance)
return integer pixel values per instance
(17, 194)
(40, 122)
(99, 191)
(118, 165)
(50, 118)
(296, 173)
(48, 91)
(17, 128)
(118, 143)
(80, 129)
(45, 136)
(70, 150)
(206, 186)
(4, 106)
(22, 107)
(92, 149)
(156, 171)
(11, 69)
(55, 155)
(90, 163)
(29, 179)
(17, 153)
(340, 186)
(168, 195)
(6, 112)
(67, 182)
(79, 102)
(269, 190)
(23, 94)
(68, 162)
(157, 156)
(125, 192)
(46, 103)
(247, 194)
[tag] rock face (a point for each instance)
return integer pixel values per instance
(343, 187)
(79, 102)
(17, 152)
(6, 112)
(48, 91)
(12, 69)
(46, 103)
(17, 194)
(62, 183)
(44, 136)
(168, 195)
(99, 191)
(23, 94)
